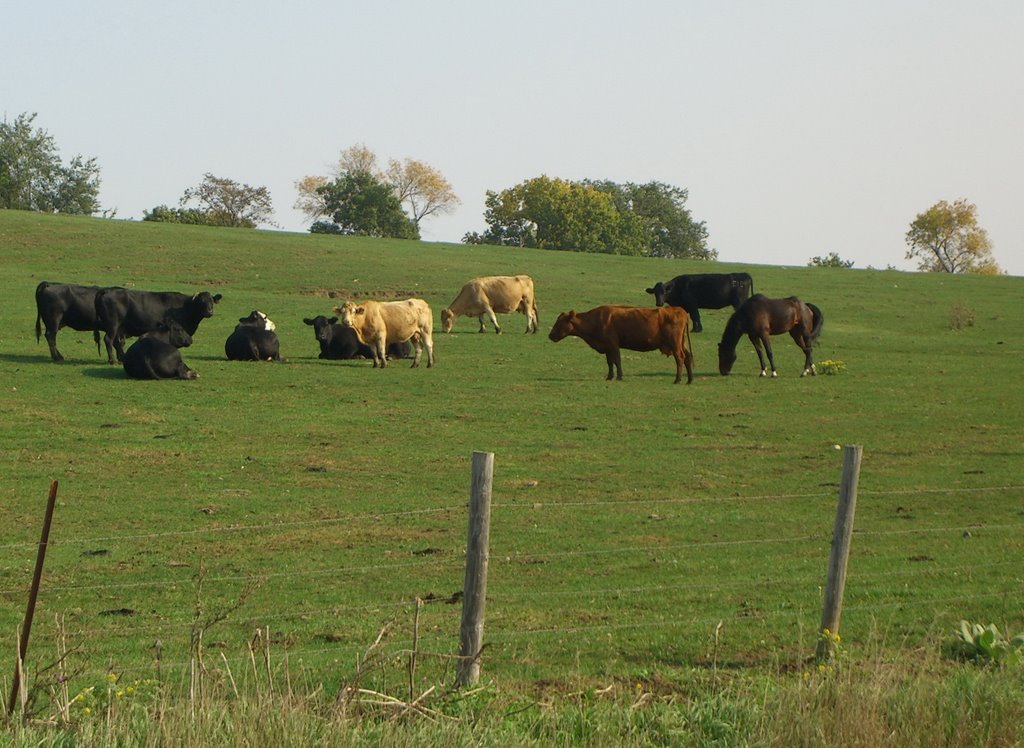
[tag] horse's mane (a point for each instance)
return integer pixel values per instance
(731, 334)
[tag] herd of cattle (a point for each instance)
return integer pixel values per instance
(164, 322)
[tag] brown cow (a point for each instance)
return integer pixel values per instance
(482, 297)
(609, 328)
(380, 323)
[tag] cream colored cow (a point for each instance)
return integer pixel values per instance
(379, 323)
(482, 297)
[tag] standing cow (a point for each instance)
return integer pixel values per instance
(609, 328)
(155, 355)
(253, 339)
(122, 313)
(380, 323)
(64, 305)
(483, 297)
(703, 291)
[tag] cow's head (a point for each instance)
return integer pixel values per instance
(726, 358)
(170, 331)
(321, 327)
(351, 313)
(564, 325)
(447, 320)
(659, 290)
(204, 302)
(258, 320)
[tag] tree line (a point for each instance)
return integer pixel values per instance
(361, 198)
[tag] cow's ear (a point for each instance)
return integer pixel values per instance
(307, 320)
(217, 297)
(650, 290)
(360, 310)
(333, 320)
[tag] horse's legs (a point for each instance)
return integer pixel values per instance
(759, 342)
(766, 338)
(807, 347)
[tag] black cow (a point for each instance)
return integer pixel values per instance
(703, 291)
(122, 313)
(253, 339)
(64, 305)
(341, 342)
(156, 356)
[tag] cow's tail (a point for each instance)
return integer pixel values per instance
(818, 319)
(39, 330)
(100, 322)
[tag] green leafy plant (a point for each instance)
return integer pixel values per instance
(985, 644)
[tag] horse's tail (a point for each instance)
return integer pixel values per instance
(818, 319)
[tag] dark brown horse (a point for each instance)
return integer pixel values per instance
(761, 317)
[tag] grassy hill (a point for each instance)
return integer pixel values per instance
(316, 500)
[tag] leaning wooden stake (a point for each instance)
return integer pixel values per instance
(841, 537)
(26, 628)
(474, 591)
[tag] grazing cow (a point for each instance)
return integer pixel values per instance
(122, 313)
(155, 355)
(380, 323)
(338, 342)
(609, 328)
(482, 297)
(64, 305)
(703, 291)
(253, 339)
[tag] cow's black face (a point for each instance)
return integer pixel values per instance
(174, 333)
(204, 302)
(659, 291)
(321, 327)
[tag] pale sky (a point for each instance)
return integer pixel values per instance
(799, 128)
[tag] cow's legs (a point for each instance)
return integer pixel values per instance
(380, 353)
(614, 358)
(695, 316)
(51, 340)
(428, 342)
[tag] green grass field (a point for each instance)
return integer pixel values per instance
(629, 519)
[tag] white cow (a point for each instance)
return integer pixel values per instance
(482, 297)
(380, 323)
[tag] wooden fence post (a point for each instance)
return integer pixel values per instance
(474, 590)
(841, 537)
(30, 610)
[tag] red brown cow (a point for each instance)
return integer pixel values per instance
(609, 328)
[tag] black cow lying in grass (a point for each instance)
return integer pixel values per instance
(156, 356)
(703, 291)
(253, 339)
(339, 342)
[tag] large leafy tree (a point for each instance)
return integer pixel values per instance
(947, 238)
(32, 176)
(225, 202)
(421, 188)
(361, 204)
(417, 186)
(589, 216)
